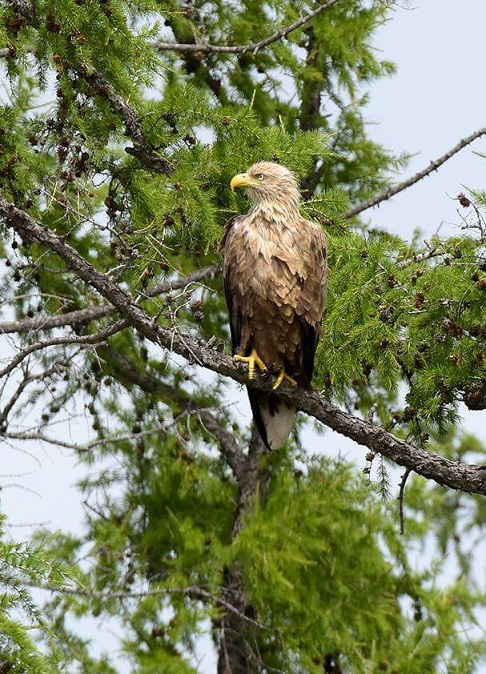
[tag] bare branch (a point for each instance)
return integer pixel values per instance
(112, 439)
(57, 320)
(456, 474)
(46, 322)
(229, 447)
(433, 166)
(100, 336)
(253, 47)
(191, 591)
(176, 284)
(26, 380)
(14, 398)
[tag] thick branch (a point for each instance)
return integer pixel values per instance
(238, 652)
(455, 474)
(254, 47)
(433, 166)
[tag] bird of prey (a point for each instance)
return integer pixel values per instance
(275, 273)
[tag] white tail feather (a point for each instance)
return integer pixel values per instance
(277, 425)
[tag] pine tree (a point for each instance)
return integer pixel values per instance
(121, 125)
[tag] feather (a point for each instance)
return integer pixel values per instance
(275, 273)
(273, 418)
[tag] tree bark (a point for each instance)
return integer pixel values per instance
(238, 651)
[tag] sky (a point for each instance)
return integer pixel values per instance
(436, 98)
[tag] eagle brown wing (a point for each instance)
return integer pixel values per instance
(299, 275)
(233, 307)
(312, 297)
(275, 292)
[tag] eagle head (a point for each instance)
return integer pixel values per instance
(269, 183)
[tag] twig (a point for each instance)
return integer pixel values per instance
(14, 398)
(421, 257)
(191, 591)
(253, 47)
(27, 379)
(58, 341)
(46, 322)
(229, 447)
(433, 166)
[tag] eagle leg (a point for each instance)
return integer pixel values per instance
(283, 375)
(252, 360)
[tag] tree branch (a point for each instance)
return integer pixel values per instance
(433, 166)
(191, 591)
(100, 336)
(47, 322)
(141, 149)
(456, 474)
(253, 47)
(229, 447)
(56, 320)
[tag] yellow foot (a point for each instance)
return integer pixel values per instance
(252, 360)
(283, 375)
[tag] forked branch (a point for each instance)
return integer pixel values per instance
(253, 47)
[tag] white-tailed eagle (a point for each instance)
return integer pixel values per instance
(275, 273)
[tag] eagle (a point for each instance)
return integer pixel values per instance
(275, 273)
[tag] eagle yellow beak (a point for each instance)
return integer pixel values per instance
(242, 180)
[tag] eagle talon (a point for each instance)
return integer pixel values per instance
(283, 375)
(252, 360)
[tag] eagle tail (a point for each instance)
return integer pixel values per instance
(273, 418)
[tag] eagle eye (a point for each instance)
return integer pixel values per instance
(261, 176)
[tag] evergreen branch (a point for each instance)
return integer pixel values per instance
(417, 177)
(253, 47)
(25, 9)
(47, 322)
(141, 149)
(455, 474)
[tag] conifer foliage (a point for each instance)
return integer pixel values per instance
(121, 125)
